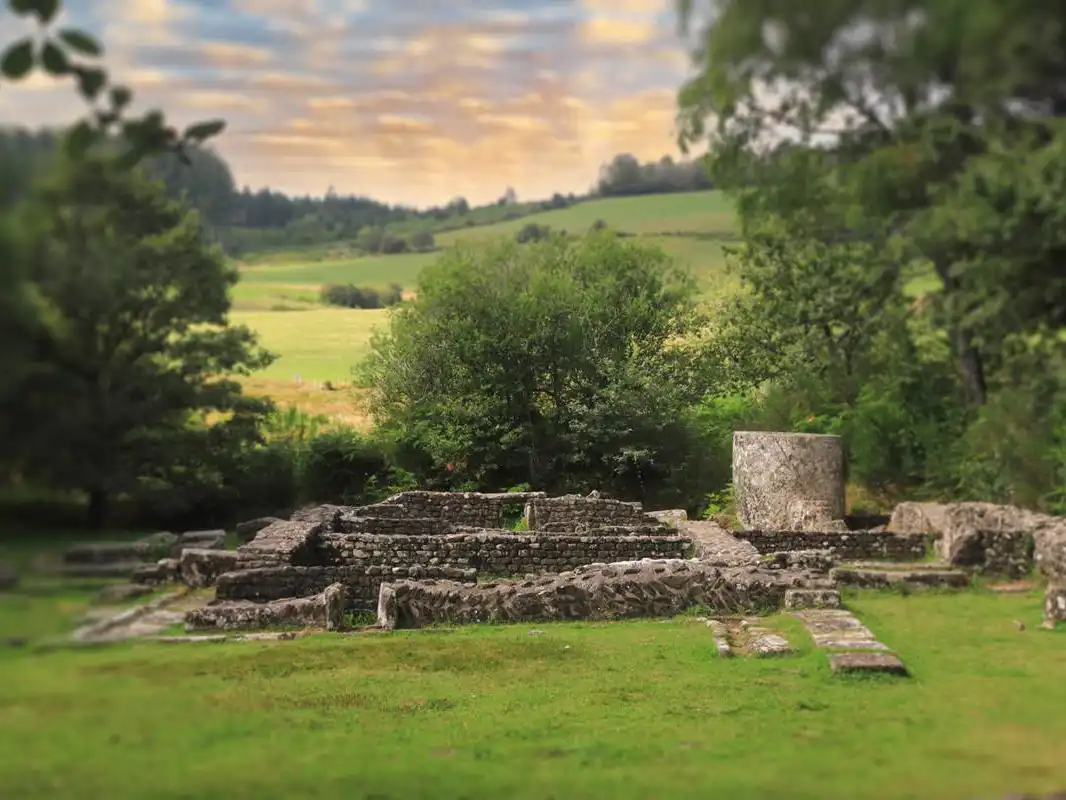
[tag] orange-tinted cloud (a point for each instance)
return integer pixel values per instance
(411, 102)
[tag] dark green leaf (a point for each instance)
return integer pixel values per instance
(18, 60)
(21, 7)
(55, 60)
(81, 42)
(90, 81)
(120, 97)
(45, 10)
(204, 130)
(80, 138)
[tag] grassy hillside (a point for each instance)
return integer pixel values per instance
(278, 293)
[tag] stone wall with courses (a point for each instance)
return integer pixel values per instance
(852, 546)
(582, 513)
(647, 588)
(293, 559)
(500, 553)
(470, 509)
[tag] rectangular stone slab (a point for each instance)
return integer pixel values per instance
(885, 663)
(829, 643)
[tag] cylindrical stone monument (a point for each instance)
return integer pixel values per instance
(788, 481)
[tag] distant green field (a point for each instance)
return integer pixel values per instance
(699, 212)
(315, 345)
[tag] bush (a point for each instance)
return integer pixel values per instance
(351, 296)
(423, 241)
(532, 232)
(391, 245)
(340, 465)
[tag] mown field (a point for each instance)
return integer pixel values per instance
(636, 709)
(278, 293)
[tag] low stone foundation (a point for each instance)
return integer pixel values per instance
(361, 584)
(875, 545)
(323, 610)
(647, 588)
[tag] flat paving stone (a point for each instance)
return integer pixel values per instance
(839, 630)
(884, 663)
(768, 644)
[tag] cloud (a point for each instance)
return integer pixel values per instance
(411, 102)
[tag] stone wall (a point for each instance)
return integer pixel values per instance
(852, 546)
(583, 513)
(360, 583)
(470, 509)
(648, 588)
(289, 559)
(501, 553)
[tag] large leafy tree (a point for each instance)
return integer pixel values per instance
(937, 121)
(67, 54)
(561, 364)
(138, 350)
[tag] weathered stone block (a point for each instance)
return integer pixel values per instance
(162, 571)
(788, 481)
(887, 663)
(247, 530)
(201, 568)
(1055, 604)
(812, 598)
(200, 540)
(323, 610)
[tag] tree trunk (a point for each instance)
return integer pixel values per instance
(98, 505)
(972, 365)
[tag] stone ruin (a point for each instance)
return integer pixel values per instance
(420, 557)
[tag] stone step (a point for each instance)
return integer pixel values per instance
(812, 598)
(880, 578)
(845, 663)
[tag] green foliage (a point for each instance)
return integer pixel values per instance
(138, 350)
(532, 232)
(557, 364)
(957, 180)
(351, 296)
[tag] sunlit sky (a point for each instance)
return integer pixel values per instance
(407, 101)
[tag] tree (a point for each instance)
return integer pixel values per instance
(69, 53)
(913, 100)
(138, 352)
(561, 364)
(370, 239)
(423, 240)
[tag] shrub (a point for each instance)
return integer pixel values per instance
(423, 240)
(351, 296)
(340, 465)
(532, 232)
(391, 245)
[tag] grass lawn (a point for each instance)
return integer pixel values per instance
(623, 710)
(317, 345)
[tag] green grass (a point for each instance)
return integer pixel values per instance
(263, 286)
(684, 211)
(318, 345)
(622, 710)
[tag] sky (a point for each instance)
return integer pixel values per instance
(406, 101)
